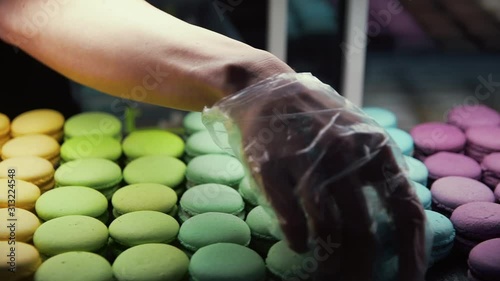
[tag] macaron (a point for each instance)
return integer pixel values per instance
(484, 261)
(443, 233)
(260, 223)
(214, 168)
(468, 116)
(450, 192)
(211, 198)
(248, 190)
(482, 141)
(192, 123)
(210, 228)
(101, 174)
(24, 194)
(161, 169)
(33, 145)
(491, 170)
(497, 193)
(4, 129)
(424, 195)
(402, 139)
(285, 264)
(417, 171)
(75, 266)
(433, 137)
(148, 142)
(19, 262)
(227, 261)
(143, 197)
(151, 262)
(72, 200)
(476, 222)
(142, 227)
(86, 147)
(383, 116)
(443, 164)
(71, 233)
(17, 225)
(39, 121)
(36, 170)
(201, 143)
(93, 124)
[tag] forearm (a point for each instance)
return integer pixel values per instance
(130, 49)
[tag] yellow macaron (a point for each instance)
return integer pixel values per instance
(32, 145)
(18, 261)
(17, 224)
(34, 169)
(24, 194)
(4, 124)
(39, 121)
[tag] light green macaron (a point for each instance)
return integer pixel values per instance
(160, 169)
(93, 124)
(143, 197)
(151, 262)
(227, 261)
(210, 228)
(249, 192)
(214, 168)
(284, 263)
(85, 147)
(101, 174)
(147, 142)
(192, 123)
(75, 266)
(201, 143)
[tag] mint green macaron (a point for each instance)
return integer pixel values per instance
(214, 168)
(86, 147)
(71, 233)
(249, 192)
(101, 174)
(151, 262)
(261, 224)
(162, 169)
(144, 197)
(226, 261)
(72, 200)
(93, 124)
(285, 264)
(211, 198)
(147, 142)
(75, 266)
(201, 143)
(210, 228)
(192, 123)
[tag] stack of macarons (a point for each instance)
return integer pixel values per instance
(39, 121)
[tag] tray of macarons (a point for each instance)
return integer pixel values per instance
(81, 200)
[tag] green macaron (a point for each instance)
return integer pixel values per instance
(201, 143)
(285, 264)
(214, 168)
(72, 200)
(71, 233)
(210, 228)
(75, 266)
(211, 198)
(151, 262)
(160, 169)
(249, 192)
(192, 123)
(226, 261)
(101, 174)
(147, 142)
(84, 147)
(142, 197)
(94, 125)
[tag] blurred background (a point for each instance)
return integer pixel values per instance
(423, 56)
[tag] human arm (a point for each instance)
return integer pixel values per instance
(130, 49)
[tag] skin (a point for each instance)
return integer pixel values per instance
(130, 49)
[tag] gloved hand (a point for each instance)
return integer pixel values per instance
(328, 171)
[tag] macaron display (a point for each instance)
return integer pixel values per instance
(75, 266)
(211, 228)
(32, 145)
(214, 168)
(261, 223)
(402, 139)
(417, 170)
(86, 147)
(443, 235)
(383, 116)
(148, 142)
(491, 170)
(206, 198)
(192, 123)
(101, 174)
(482, 141)
(93, 124)
(443, 164)
(227, 261)
(450, 192)
(36, 170)
(468, 116)
(201, 143)
(152, 262)
(484, 261)
(4, 129)
(20, 264)
(25, 194)
(475, 222)
(433, 137)
(21, 228)
(39, 121)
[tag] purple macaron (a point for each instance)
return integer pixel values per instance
(482, 141)
(444, 164)
(468, 116)
(448, 193)
(497, 193)
(432, 137)
(484, 261)
(491, 169)
(474, 223)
